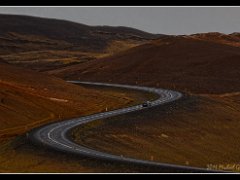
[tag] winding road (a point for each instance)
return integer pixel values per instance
(55, 135)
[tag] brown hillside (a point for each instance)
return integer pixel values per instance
(41, 43)
(181, 63)
(229, 39)
(29, 99)
(200, 131)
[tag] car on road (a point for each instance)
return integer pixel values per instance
(146, 104)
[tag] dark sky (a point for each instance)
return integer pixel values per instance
(163, 20)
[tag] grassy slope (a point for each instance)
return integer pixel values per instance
(204, 128)
(180, 63)
(197, 131)
(195, 64)
(43, 44)
(29, 99)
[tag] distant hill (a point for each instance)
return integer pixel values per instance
(195, 63)
(42, 43)
(232, 39)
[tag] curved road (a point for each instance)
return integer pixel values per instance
(55, 135)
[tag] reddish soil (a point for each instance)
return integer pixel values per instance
(182, 63)
(29, 99)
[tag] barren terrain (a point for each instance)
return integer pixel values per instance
(44, 44)
(200, 130)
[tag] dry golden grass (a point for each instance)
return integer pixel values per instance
(47, 60)
(180, 63)
(197, 131)
(73, 44)
(118, 46)
(19, 156)
(43, 60)
(29, 99)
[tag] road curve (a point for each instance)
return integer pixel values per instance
(54, 135)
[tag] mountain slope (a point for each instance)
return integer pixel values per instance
(181, 63)
(228, 39)
(41, 43)
(29, 99)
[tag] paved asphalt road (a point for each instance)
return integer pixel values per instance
(54, 135)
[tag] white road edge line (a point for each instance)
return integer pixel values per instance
(54, 135)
